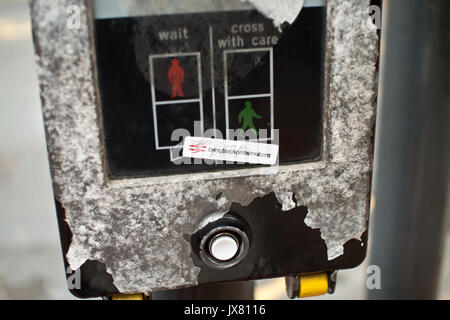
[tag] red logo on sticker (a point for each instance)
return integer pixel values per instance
(197, 148)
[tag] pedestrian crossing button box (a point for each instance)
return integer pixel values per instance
(135, 80)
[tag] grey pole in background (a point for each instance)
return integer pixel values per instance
(412, 148)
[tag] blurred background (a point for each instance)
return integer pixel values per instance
(31, 264)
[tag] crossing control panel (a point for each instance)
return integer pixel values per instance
(195, 142)
(208, 74)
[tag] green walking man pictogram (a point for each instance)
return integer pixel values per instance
(247, 116)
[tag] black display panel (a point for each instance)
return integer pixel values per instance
(223, 70)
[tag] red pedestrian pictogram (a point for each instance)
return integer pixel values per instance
(176, 78)
(197, 148)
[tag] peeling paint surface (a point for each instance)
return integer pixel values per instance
(286, 200)
(136, 227)
(278, 11)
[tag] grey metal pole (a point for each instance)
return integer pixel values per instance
(412, 148)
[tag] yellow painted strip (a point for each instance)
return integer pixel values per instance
(137, 296)
(312, 285)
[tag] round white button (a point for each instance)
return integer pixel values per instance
(224, 247)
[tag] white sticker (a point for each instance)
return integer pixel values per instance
(230, 150)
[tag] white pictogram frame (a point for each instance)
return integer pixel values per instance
(260, 95)
(156, 104)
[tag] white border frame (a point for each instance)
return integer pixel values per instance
(263, 95)
(159, 103)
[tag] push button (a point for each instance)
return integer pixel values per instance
(224, 247)
(222, 244)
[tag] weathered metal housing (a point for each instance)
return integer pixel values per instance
(137, 227)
